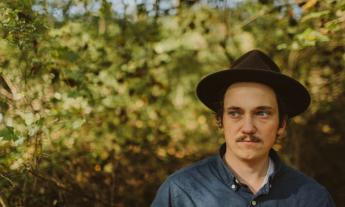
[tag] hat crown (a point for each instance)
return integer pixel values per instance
(255, 60)
(254, 66)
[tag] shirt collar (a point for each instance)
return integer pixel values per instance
(224, 172)
(269, 173)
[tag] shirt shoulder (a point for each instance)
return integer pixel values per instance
(199, 169)
(308, 191)
(303, 181)
(180, 187)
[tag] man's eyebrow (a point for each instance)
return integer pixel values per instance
(233, 108)
(257, 108)
(264, 107)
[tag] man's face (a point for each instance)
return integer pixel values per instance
(250, 121)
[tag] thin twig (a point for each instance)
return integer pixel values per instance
(9, 180)
(263, 12)
(63, 187)
(2, 202)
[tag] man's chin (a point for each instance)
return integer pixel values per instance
(251, 155)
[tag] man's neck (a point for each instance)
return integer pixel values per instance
(248, 172)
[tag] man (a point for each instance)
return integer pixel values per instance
(253, 101)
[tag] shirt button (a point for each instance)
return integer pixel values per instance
(253, 203)
(233, 186)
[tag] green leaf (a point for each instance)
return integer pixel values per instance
(315, 15)
(8, 133)
(3, 106)
(67, 54)
(78, 123)
(334, 25)
(4, 84)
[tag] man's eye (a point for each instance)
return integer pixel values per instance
(234, 114)
(263, 113)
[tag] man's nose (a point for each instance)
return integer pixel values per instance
(248, 126)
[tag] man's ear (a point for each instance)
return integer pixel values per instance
(282, 127)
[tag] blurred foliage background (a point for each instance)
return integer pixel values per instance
(97, 96)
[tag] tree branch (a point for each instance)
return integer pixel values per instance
(2, 202)
(63, 187)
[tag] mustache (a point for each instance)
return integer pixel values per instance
(250, 138)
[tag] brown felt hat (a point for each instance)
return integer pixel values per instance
(254, 66)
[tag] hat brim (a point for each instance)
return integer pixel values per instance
(211, 88)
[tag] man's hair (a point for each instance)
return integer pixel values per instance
(281, 111)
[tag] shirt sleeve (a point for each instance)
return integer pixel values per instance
(328, 201)
(164, 196)
(320, 198)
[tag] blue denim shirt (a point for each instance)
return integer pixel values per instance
(210, 183)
